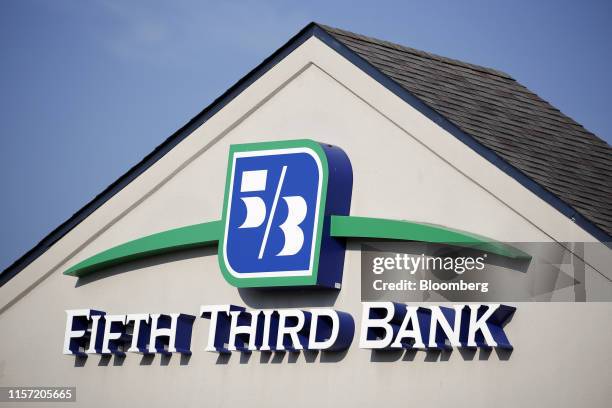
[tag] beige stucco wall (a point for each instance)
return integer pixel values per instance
(404, 167)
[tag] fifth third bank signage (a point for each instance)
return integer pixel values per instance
(285, 224)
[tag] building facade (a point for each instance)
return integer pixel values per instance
(430, 140)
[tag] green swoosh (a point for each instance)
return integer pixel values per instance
(209, 233)
(193, 236)
(399, 230)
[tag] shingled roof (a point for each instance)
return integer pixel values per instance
(506, 117)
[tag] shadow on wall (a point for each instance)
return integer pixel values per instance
(389, 356)
(145, 360)
(266, 357)
(277, 298)
(142, 264)
(278, 357)
(313, 356)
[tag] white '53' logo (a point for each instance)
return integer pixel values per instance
(257, 214)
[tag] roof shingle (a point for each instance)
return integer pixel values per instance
(506, 117)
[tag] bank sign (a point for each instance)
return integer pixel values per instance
(285, 223)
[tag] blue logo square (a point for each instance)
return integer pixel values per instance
(275, 218)
(273, 212)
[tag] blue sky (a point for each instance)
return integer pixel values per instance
(88, 88)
